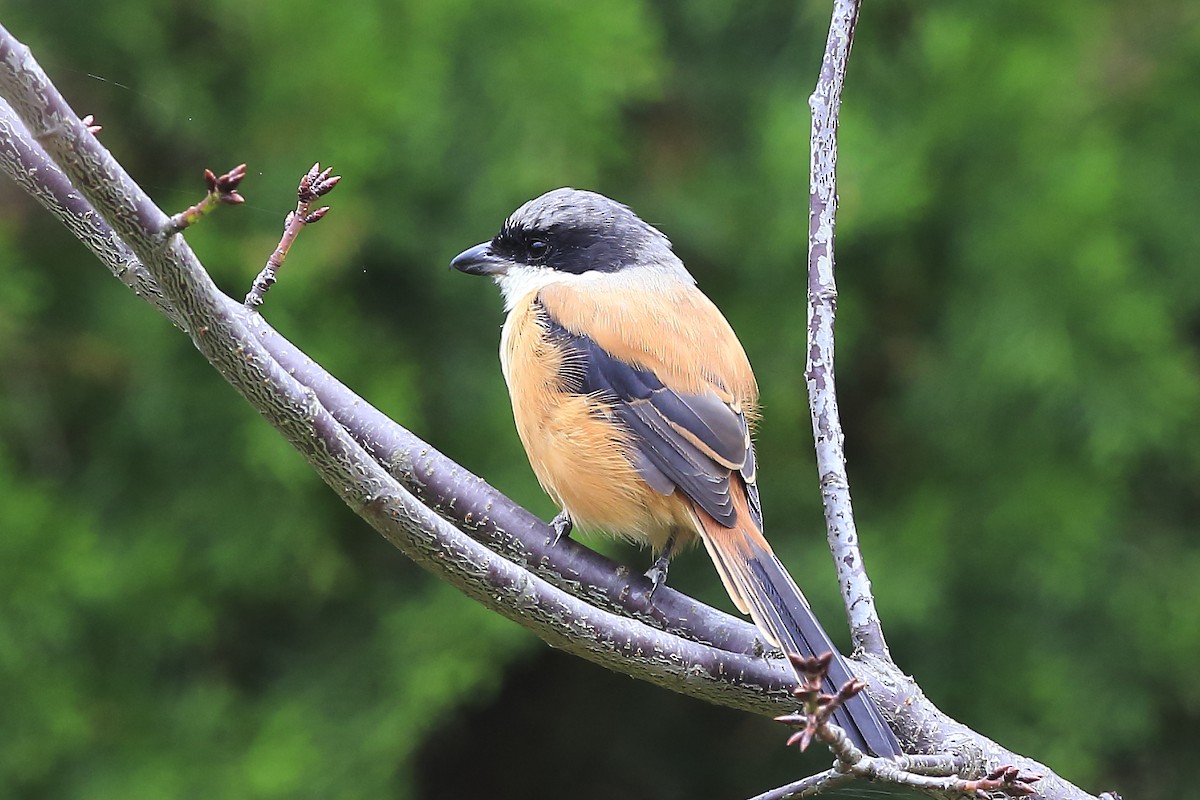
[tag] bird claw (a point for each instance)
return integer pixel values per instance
(562, 524)
(658, 573)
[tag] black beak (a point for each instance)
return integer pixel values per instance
(479, 260)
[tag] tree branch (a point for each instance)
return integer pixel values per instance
(469, 501)
(221, 329)
(811, 786)
(825, 104)
(570, 597)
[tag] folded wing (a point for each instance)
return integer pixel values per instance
(695, 442)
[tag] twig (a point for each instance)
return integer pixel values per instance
(315, 184)
(825, 102)
(222, 190)
(818, 707)
(808, 787)
(1007, 781)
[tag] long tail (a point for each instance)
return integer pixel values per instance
(761, 587)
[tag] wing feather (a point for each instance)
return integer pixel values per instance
(694, 442)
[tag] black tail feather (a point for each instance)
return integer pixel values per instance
(786, 613)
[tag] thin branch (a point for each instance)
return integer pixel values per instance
(817, 707)
(1003, 782)
(825, 103)
(811, 786)
(222, 190)
(314, 185)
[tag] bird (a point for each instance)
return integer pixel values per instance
(635, 403)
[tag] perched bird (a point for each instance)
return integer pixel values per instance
(634, 400)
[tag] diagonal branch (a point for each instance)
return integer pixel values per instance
(811, 786)
(474, 506)
(222, 330)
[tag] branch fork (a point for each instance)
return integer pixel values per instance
(921, 772)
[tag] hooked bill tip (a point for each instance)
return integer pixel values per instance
(478, 260)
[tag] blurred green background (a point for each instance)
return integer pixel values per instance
(187, 612)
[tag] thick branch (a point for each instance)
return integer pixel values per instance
(467, 500)
(220, 329)
(27, 163)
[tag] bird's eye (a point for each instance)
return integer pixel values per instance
(536, 249)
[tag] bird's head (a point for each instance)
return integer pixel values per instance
(570, 234)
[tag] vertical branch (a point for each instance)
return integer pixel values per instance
(825, 103)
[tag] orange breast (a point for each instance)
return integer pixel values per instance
(575, 448)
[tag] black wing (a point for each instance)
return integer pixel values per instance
(693, 442)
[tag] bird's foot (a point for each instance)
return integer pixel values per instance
(562, 525)
(658, 573)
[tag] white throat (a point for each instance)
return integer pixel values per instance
(518, 281)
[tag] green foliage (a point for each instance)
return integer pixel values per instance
(186, 611)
